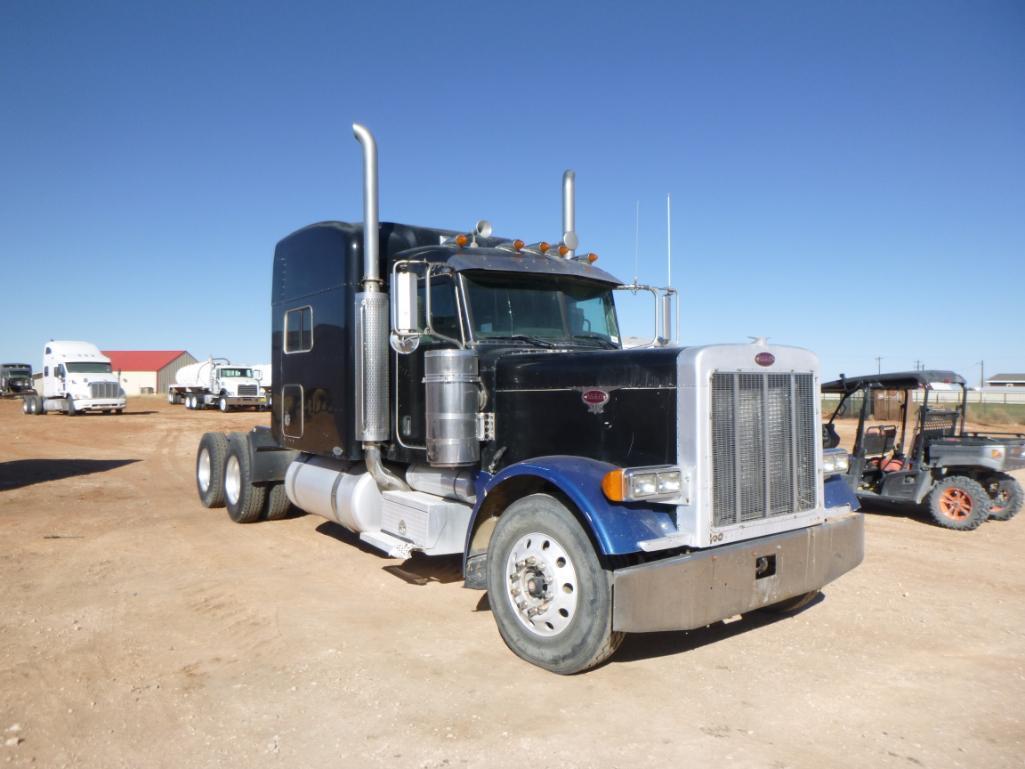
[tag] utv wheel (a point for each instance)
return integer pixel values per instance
(277, 505)
(549, 594)
(790, 605)
(210, 458)
(243, 500)
(958, 502)
(1005, 495)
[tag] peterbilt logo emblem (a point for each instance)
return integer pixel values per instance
(765, 359)
(595, 399)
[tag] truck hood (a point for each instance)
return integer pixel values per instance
(562, 369)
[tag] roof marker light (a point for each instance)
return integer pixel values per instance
(462, 240)
(592, 258)
(544, 247)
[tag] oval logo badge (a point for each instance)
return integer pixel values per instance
(765, 359)
(595, 399)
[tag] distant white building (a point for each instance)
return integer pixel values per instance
(147, 371)
(1006, 380)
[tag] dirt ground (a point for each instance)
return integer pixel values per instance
(138, 629)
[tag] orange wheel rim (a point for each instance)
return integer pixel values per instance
(956, 503)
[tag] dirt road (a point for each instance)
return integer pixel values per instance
(138, 629)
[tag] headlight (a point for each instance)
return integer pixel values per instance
(835, 461)
(634, 483)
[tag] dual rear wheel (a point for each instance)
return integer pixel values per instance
(224, 478)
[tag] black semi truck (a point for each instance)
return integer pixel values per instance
(444, 392)
(15, 380)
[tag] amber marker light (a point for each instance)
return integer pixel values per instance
(518, 245)
(563, 250)
(613, 486)
(462, 240)
(543, 247)
(592, 258)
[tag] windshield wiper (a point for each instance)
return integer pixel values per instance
(539, 341)
(592, 336)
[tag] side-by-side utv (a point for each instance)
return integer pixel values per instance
(961, 476)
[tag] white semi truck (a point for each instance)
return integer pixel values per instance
(217, 382)
(77, 378)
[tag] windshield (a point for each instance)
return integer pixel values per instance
(87, 368)
(237, 372)
(557, 309)
(13, 371)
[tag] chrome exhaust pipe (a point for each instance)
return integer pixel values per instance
(371, 267)
(569, 212)
(372, 328)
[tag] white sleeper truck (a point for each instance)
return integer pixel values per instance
(77, 378)
(217, 382)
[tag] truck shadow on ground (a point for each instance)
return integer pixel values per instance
(640, 646)
(908, 511)
(416, 570)
(25, 472)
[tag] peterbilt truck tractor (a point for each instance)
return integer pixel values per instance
(444, 392)
(216, 382)
(77, 378)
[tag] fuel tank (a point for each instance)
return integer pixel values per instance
(619, 406)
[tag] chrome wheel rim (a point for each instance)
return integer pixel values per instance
(232, 480)
(541, 584)
(203, 470)
(224, 405)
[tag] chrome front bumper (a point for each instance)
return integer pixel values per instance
(706, 586)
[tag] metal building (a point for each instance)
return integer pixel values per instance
(147, 371)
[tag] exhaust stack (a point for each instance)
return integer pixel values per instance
(372, 328)
(569, 234)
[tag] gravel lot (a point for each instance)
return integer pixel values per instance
(138, 629)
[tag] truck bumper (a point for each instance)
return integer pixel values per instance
(99, 404)
(693, 590)
(243, 400)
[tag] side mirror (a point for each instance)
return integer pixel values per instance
(405, 334)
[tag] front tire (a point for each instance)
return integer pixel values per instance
(791, 605)
(1005, 495)
(72, 411)
(222, 404)
(957, 502)
(243, 500)
(210, 459)
(548, 592)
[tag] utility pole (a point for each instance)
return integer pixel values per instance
(982, 374)
(879, 364)
(918, 365)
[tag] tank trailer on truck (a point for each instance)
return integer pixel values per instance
(16, 380)
(216, 382)
(77, 378)
(445, 392)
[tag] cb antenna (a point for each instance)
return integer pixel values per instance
(637, 238)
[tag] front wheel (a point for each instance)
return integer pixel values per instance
(548, 592)
(1005, 495)
(222, 404)
(72, 410)
(958, 502)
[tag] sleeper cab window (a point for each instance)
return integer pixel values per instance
(299, 329)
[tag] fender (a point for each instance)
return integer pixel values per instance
(616, 527)
(836, 492)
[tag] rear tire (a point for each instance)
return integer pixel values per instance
(1005, 495)
(243, 500)
(549, 594)
(210, 458)
(957, 502)
(172, 398)
(39, 409)
(277, 504)
(28, 405)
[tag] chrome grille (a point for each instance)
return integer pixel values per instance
(763, 445)
(103, 389)
(248, 390)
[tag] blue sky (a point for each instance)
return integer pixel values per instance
(848, 177)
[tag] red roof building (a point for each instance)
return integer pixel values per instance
(147, 371)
